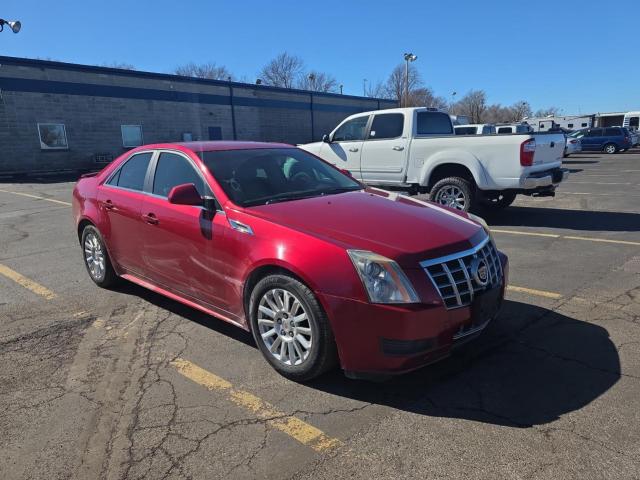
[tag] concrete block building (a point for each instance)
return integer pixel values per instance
(59, 116)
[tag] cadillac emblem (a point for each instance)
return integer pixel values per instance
(480, 272)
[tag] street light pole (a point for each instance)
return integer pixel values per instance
(408, 57)
(14, 25)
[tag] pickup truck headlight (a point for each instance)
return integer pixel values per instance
(383, 279)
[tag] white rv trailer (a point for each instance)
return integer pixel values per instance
(631, 120)
(567, 122)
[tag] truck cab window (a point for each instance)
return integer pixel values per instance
(387, 125)
(353, 130)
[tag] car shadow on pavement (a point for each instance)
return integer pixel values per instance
(191, 314)
(529, 367)
(579, 162)
(567, 219)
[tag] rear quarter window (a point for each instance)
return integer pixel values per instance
(433, 123)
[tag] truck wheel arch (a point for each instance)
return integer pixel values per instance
(449, 169)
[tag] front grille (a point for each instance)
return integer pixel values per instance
(458, 277)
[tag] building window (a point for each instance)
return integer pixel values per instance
(584, 125)
(53, 136)
(131, 135)
(570, 125)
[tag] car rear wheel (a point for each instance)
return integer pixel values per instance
(610, 148)
(291, 329)
(96, 258)
(454, 192)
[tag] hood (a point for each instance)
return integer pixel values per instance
(404, 229)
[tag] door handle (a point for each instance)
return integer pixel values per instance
(151, 219)
(398, 149)
(108, 205)
(353, 149)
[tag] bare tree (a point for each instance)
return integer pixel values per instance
(120, 65)
(376, 90)
(318, 82)
(520, 110)
(395, 86)
(204, 70)
(547, 112)
(473, 105)
(424, 97)
(283, 71)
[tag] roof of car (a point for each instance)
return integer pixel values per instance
(210, 146)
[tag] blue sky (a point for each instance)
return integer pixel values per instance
(578, 56)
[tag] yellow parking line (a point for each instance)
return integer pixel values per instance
(292, 426)
(26, 283)
(604, 240)
(533, 291)
(53, 200)
(533, 234)
(567, 237)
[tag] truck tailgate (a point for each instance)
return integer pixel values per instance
(549, 150)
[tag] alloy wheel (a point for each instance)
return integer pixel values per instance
(451, 196)
(610, 149)
(284, 326)
(94, 256)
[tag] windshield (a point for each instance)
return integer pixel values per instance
(577, 134)
(269, 175)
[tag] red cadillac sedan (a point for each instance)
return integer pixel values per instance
(320, 268)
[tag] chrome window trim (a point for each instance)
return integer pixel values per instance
(113, 174)
(155, 155)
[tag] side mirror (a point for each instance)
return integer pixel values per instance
(326, 138)
(185, 194)
(346, 172)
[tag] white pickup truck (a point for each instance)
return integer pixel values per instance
(415, 149)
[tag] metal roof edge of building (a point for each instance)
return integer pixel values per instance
(32, 62)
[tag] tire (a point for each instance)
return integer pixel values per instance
(610, 148)
(93, 248)
(500, 201)
(454, 192)
(566, 155)
(295, 360)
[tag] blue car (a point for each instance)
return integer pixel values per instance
(608, 140)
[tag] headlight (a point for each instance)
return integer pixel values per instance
(382, 278)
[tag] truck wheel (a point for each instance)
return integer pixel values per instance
(453, 192)
(610, 148)
(499, 201)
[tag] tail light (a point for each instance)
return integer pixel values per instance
(527, 150)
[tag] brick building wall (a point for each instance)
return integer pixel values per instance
(93, 103)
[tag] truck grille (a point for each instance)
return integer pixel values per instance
(460, 276)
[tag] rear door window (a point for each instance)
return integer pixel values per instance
(387, 125)
(433, 123)
(131, 175)
(173, 169)
(612, 132)
(353, 130)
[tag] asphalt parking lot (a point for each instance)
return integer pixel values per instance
(128, 384)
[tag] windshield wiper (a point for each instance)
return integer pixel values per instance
(340, 190)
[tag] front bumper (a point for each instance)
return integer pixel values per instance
(381, 340)
(547, 178)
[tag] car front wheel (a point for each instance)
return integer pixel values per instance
(291, 329)
(96, 258)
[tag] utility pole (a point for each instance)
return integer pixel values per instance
(408, 57)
